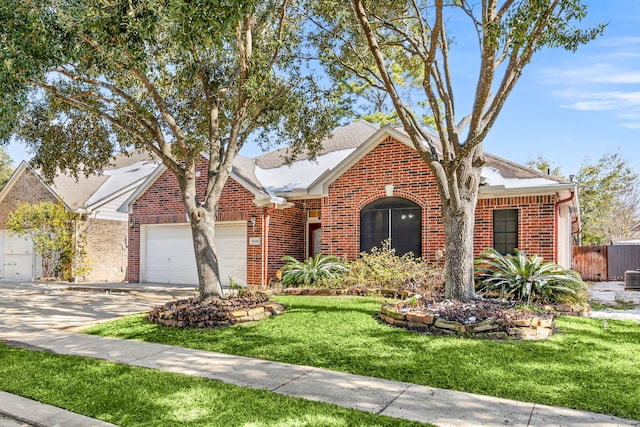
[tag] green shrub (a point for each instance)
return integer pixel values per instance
(382, 268)
(315, 271)
(527, 279)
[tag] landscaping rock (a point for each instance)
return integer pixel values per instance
(484, 326)
(512, 323)
(214, 312)
(425, 318)
(447, 324)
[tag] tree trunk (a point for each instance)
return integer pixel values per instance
(204, 245)
(458, 214)
(458, 226)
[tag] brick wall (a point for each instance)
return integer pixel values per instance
(536, 223)
(27, 188)
(162, 204)
(393, 163)
(106, 250)
(287, 228)
(390, 163)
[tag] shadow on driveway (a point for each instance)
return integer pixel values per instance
(71, 306)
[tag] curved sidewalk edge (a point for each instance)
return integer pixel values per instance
(35, 413)
(395, 399)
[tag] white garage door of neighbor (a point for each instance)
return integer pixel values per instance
(170, 258)
(17, 256)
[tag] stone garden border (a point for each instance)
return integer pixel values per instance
(215, 319)
(535, 328)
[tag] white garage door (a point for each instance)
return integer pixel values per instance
(169, 255)
(17, 256)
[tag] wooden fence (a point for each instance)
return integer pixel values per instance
(598, 263)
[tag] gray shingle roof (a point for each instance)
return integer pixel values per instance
(269, 172)
(80, 192)
(345, 137)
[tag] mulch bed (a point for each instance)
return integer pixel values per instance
(473, 311)
(214, 312)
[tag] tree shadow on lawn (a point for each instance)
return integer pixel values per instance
(585, 366)
(136, 396)
(582, 368)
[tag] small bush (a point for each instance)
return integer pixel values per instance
(528, 280)
(316, 271)
(382, 268)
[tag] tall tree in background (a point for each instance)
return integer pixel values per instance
(608, 195)
(83, 79)
(370, 40)
(545, 166)
(6, 168)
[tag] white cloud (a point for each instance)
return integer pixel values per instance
(629, 120)
(604, 73)
(600, 101)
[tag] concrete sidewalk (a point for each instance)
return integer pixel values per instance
(395, 399)
(25, 412)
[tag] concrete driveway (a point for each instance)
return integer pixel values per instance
(610, 293)
(67, 306)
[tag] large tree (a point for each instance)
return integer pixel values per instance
(6, 169)
(370, 41)
(608, 195)
(609, 199)
(185, 80)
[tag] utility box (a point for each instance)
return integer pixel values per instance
(632, 280)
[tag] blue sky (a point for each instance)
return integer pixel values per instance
(569, 106)
(566, 106)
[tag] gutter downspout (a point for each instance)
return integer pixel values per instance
(265, 243)
(557, 225)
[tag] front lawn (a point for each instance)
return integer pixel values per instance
(586, 366)
(132, 396)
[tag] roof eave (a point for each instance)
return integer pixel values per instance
(21, 169)
(144, 186)
(487, 191)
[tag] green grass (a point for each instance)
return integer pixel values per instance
(619, 305)
(585, 366)
(131, 396)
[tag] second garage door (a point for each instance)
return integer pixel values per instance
(169, 257)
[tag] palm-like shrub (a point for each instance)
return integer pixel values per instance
(313, 271)
(527, 279)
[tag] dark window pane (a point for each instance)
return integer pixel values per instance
(405, 230)
(394, 218)
(505, 230)
(374, 229)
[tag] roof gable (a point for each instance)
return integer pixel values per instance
(22, 169)
(242, 172)
(89, 192)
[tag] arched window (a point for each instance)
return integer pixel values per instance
(393, 218)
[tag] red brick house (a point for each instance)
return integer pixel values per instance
(367, 185)
(97, 197)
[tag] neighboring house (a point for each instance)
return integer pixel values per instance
(367, 185)
(96, 197)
